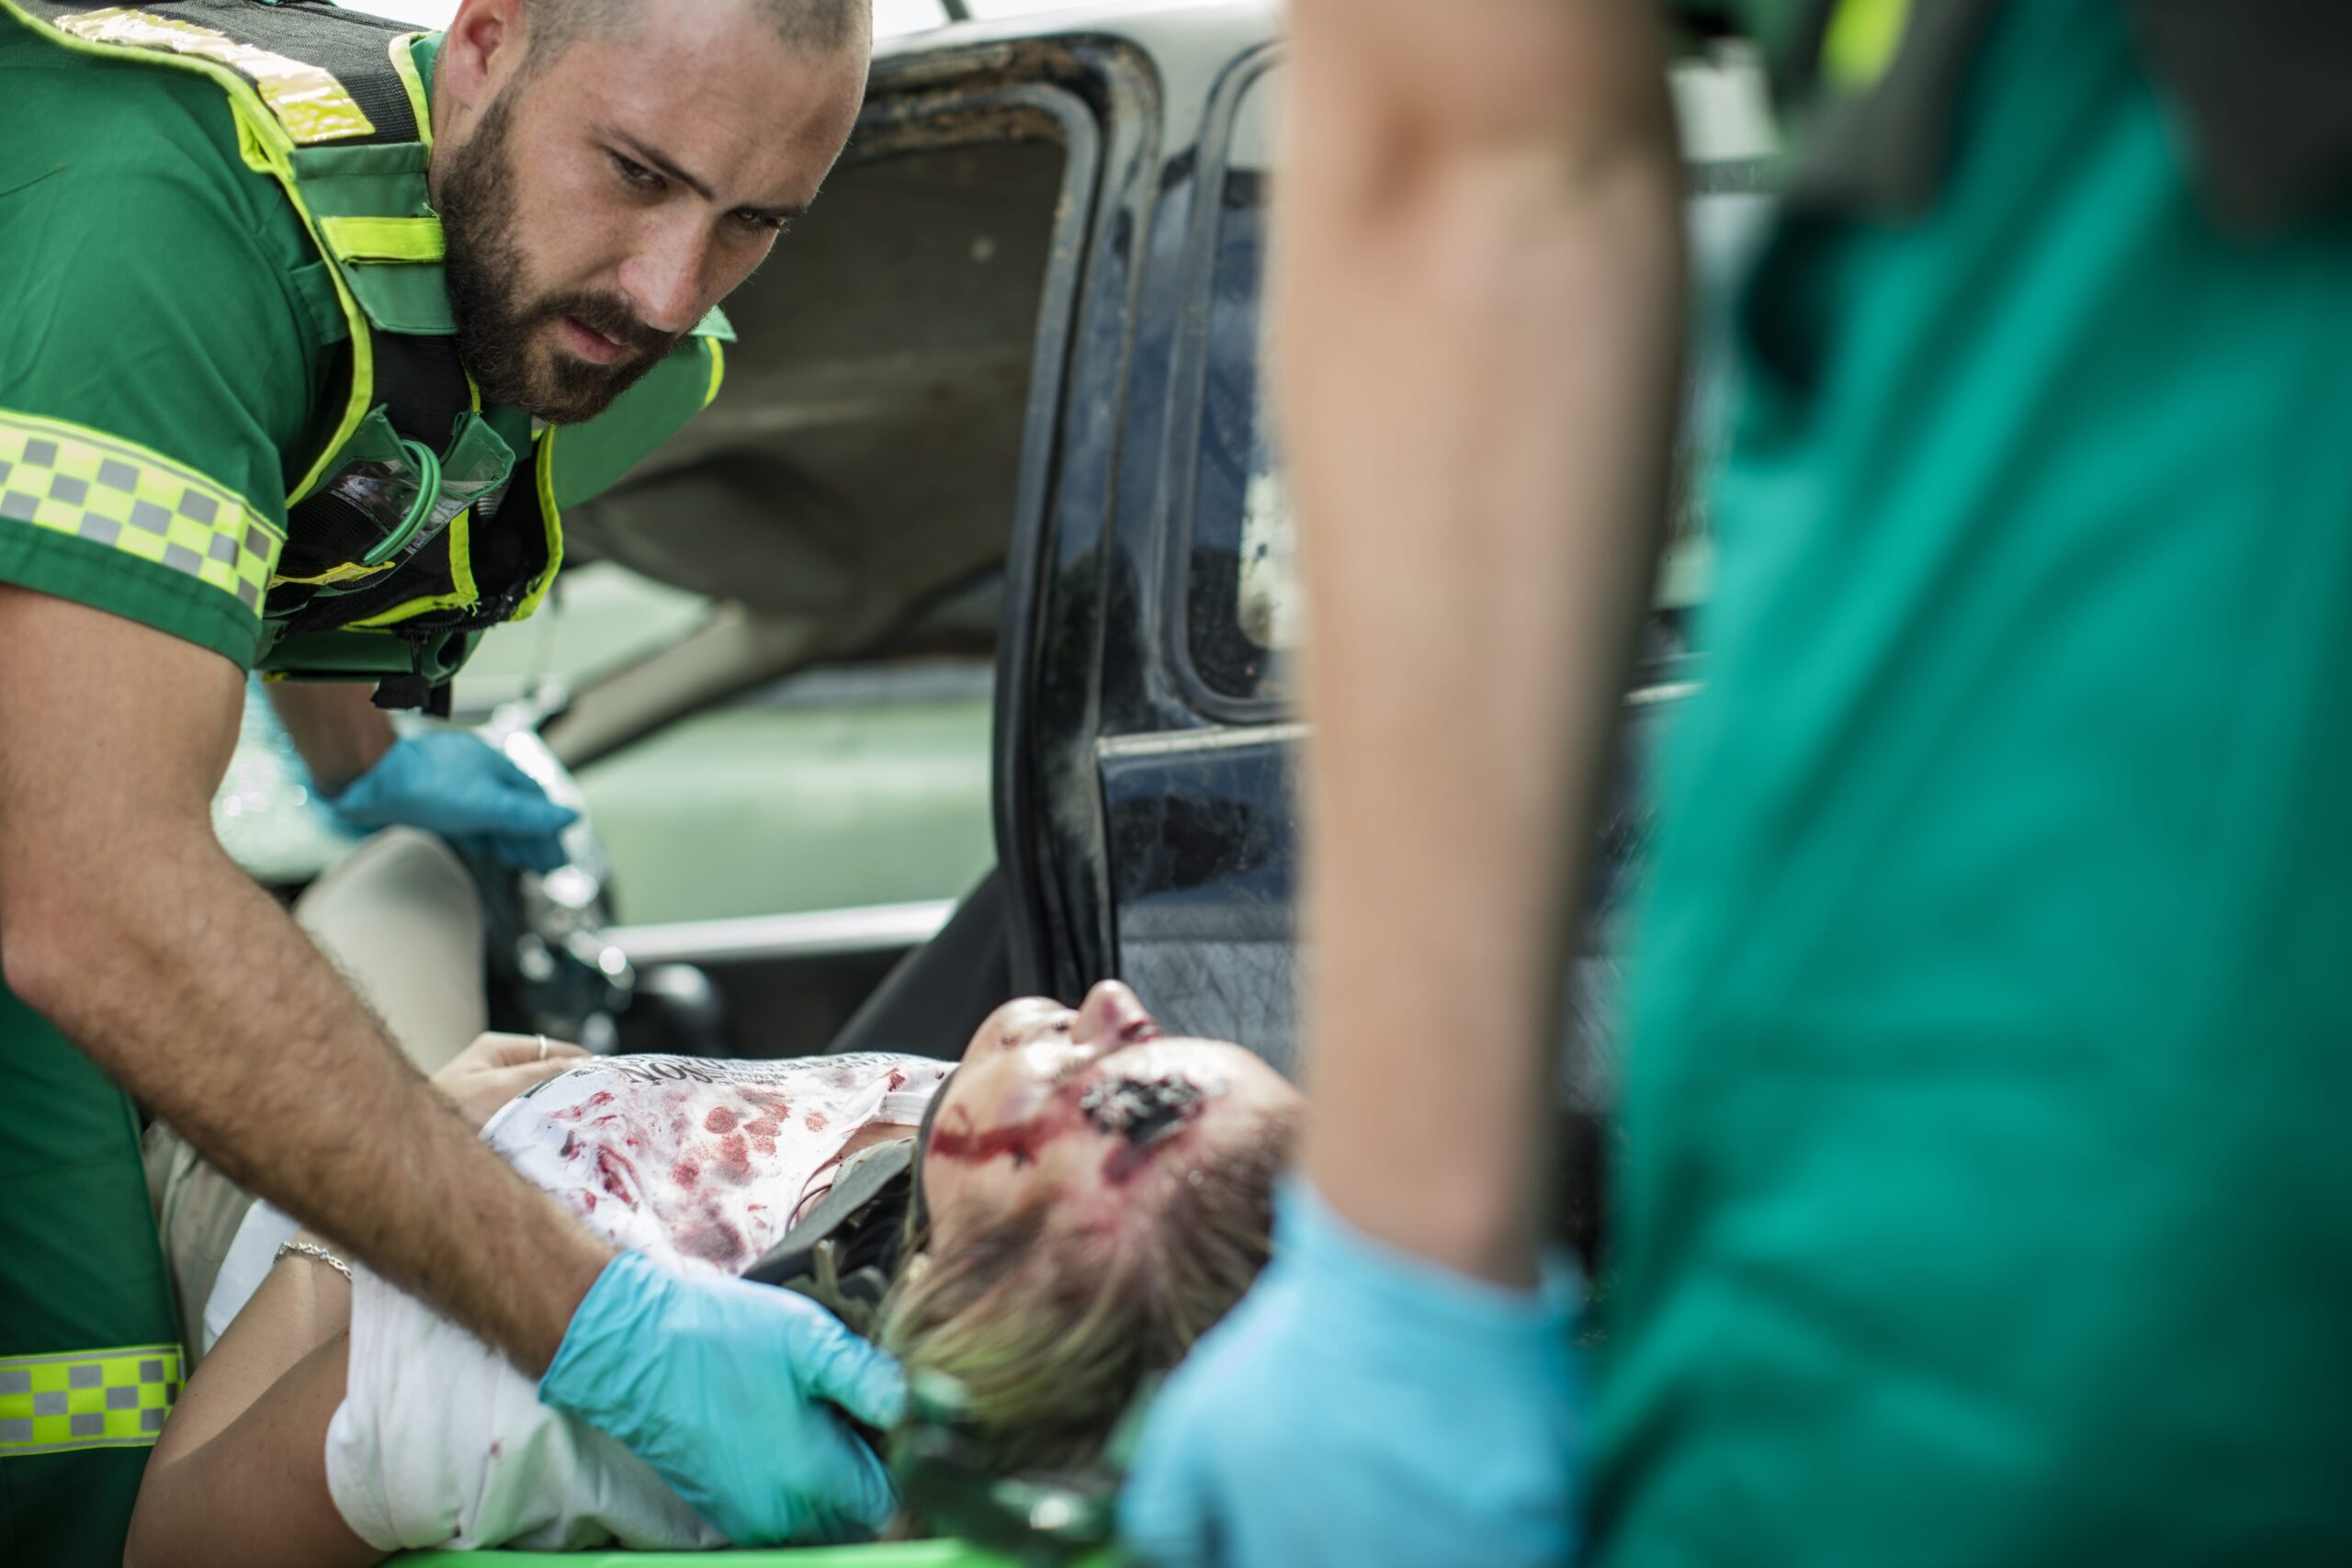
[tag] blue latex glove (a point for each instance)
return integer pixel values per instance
(722, 1387)
(453, 782)
(1361, 1406)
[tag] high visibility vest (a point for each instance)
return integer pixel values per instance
(387, 571)
(86, 1399)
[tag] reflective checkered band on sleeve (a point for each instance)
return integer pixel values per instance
(73, 481)
(86, 1399)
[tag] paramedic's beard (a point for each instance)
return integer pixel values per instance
(512, 346)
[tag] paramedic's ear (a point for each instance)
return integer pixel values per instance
(484, 51)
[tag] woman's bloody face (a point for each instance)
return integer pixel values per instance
(1094, 1106)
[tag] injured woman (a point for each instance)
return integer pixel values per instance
(1088, 1197)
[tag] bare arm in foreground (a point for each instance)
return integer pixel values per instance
(1478, 284)
(122, 921)
(1477, 292)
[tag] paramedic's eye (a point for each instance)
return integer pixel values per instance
(760, 222)
(635, 174)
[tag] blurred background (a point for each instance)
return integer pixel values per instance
(889, 16)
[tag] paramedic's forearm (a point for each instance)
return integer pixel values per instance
(1477, 291)
(123, 920)
(338, 728)
(193, 988)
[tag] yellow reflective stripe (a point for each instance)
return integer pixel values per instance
(551, 519)
(86, 1399)
(463, 595)
(404, 67)
(361, 396)
(349, 571)
(80, 482)
(384, 239)
(309, 102)
(264, 144)
(718, 369)
(1861, 40)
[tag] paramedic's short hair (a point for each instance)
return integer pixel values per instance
(1050, 1329)
(821, 26)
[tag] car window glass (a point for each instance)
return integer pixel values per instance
(599, 618)
(1243, 598)
(845, 786)
(1243, 613)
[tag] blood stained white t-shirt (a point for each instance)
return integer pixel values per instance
(700, 1165)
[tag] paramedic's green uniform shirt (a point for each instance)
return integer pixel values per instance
(1987, 1191)
(158, 297)
(161, 295)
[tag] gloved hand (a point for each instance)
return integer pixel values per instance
(721, 1387)
(1364, 1407)
(453, 782)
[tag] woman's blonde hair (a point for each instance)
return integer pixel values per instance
(1050, 1328)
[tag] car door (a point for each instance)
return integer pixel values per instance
(1195, 832)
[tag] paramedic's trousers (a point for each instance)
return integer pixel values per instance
(89, 1340)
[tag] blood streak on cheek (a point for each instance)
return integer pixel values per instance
(1019, 1141)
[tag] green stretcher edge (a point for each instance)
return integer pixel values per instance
(889, 1554)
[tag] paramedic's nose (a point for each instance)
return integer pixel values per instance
(663, 279)
(1111, 1017)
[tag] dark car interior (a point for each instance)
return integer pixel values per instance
(850, 498)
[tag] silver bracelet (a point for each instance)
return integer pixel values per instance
(306, 1249)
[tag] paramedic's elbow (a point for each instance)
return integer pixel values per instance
(77, 934)
(41, 944)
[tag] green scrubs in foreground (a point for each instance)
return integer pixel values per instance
(1988, 1196)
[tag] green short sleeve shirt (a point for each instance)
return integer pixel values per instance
(1984, 1194)
(165, 353)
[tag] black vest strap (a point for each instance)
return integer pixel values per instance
(353, 47)
(843, 1253)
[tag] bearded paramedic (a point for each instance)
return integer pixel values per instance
(309, 329)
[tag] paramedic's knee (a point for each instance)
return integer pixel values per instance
(402, 918)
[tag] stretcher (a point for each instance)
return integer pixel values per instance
(890, 1554)
(1038, 1521)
